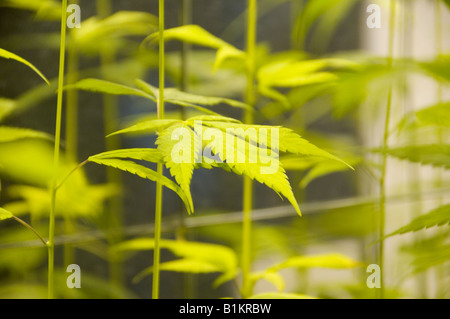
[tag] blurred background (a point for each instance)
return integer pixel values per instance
(100, 208)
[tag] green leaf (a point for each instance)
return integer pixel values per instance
(248, 159)
(102, 86)
(9, 55)
(144, 154)
(146, 127)
(336, 261)
(196, 35)
(280, 295)
(220, 258)
(447, 2)
(437, 217)
(45, 10)
(182, 166)
(4, 214)
(8, 134)
(274, 278)
(192, 266)
(143, 172)
(95, 34)
(288, 140)
(178, 97)
(435, 155)
(435, 115)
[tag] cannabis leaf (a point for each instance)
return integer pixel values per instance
(9, 55)
(142, 172)
(8, 134)
(437, 217)
(196, 257)
(280, 295)
(336, 261)
(4, 214)
(196, 35)
(435, 155)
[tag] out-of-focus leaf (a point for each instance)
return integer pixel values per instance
(274, 278)
(102, 86)
(44, 9)
(321, 17)
(435, 155)
(9, 134)
(192, 266)
(4, 214)
(178, 97)
(336, 261)
(439, 68)
(435, 115)
(204, 257)
(280, 295)
(196, 35)
(9, 55)
(437, 217)
(95, 34)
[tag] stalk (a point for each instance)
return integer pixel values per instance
(71, 130)
(382, 216)
(110, 119)
(441, 270)
(160, 169)
(250, 99)
(51, 240)
(185, 19)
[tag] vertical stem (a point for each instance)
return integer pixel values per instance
(159, 189)
(250, 98)
(382, 215)
(71, 130)
(185, 19)
(51, 240)
(110, 119)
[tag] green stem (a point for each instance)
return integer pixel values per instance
(250, 99)
(113, 176)
(71, 130)
(160, 169)
(51, 241)
(382, 216)
(30, 228)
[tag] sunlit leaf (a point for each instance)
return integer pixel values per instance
(145, 173)
(181, 167)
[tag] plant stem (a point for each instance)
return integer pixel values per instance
(71, 129)
(110, 119)
(160, 169)
(30, 228)
(51, 240)
(250, 99)
(382, 216)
